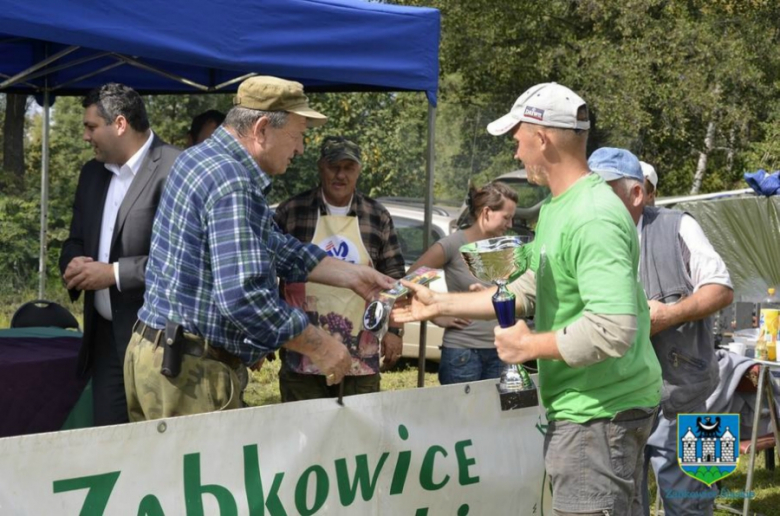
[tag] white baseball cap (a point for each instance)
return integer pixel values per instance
(648, 171)
(548, 104)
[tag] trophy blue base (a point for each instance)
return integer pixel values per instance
(513, 400)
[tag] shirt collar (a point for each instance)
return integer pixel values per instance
(134, 163)
(237, 151)
(323, 207)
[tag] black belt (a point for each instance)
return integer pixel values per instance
(193, 345)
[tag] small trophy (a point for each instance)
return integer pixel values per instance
(493, 260)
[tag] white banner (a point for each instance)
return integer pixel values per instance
(439, 451)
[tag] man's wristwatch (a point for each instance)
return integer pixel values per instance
(398, 332)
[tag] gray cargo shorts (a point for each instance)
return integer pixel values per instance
(595, 467)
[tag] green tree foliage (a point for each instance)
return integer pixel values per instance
(391, 131)
(655, 73)
(171, 115)
(465, 152)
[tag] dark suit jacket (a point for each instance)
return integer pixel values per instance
(129, 244)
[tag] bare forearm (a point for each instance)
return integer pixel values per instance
(543, 345)
(329, 355)
(704, 302)
(472, 305)
(331, 271)
(308, 343)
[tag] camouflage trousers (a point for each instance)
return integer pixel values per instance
(203, 385)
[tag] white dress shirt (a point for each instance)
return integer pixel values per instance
(706, 265)
(117, 189)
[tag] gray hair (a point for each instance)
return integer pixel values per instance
(624, 185)
(242, 119)
(114, 100)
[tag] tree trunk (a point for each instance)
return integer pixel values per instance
(701, 167)
(13, 139)
(731, 151)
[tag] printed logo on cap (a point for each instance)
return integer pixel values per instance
(340, 248)
(535, 113)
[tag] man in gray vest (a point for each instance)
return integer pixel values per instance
(685, 282)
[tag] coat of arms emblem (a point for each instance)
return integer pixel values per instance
(708, 445)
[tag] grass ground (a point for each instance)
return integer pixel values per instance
(263, 388)
(9, 302)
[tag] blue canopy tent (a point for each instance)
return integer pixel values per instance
(185, 46)
(50, 47)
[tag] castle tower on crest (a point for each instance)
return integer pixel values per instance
(727, 441)
(689, 446)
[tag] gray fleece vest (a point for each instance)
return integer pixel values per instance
(686, 352)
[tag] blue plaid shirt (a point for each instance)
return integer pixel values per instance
(216, 253)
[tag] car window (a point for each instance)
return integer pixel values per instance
(410, 236)
(529, 195)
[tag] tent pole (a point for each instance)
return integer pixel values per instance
(427, 231)
(37, 66)
(44, 195)
(69, 64)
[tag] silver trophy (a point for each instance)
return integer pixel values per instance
(495, 260)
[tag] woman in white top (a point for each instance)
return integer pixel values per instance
(468, 353)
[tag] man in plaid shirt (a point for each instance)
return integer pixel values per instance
(215, 258)
(350, 226)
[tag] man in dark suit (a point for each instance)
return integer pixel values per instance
(106, 252)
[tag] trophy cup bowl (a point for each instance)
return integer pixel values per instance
(495, 260)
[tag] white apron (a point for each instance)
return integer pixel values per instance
(337, 310)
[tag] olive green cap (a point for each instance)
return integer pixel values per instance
(266, 93)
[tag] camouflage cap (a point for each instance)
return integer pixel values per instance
(267, 93)
(336, 148)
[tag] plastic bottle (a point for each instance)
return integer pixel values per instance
(762, 352)
(769, 325)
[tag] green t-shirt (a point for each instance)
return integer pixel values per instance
(586, 257)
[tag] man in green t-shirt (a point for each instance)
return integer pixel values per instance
(599, 378)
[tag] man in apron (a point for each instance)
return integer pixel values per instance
(352, 227)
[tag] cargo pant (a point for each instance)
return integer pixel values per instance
(203, 385)
(595, 467)
(697, 498)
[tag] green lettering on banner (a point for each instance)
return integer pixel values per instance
(347, 492)
(463, 510)
(100, 487)
(254, 486)
(402, 466)
(150, 506)
(426, 471)
(321, 490)
(464, 463)
(194, 491)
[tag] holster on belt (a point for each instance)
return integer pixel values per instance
(173, 348)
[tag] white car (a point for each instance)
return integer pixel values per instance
(408, 219)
